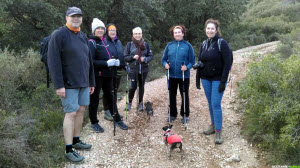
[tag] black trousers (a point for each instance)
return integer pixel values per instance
(173, 84)
(141, 82)
(105, 101)
(106, 84)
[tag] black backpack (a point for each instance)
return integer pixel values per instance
(43, 55)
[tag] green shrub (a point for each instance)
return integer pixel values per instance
(30, 114)
(264, 21)
(289, 44)
(272, 111)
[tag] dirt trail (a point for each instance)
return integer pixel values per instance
(142, 145)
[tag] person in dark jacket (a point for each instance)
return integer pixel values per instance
(105, 62)
(115, 48)
(71, 68)
(177, 52)
(138, 54)
(214, 75)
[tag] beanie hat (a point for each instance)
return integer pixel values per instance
(109, 26)
(97, 23)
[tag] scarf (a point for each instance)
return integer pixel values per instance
(140, 45)
(75, 30)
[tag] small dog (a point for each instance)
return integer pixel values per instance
(149, 109)
(173, 140)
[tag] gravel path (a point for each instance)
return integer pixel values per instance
(142, 145)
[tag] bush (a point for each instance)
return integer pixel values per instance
(30, 114)
(264, 21)
(272, 111)
(289, 44)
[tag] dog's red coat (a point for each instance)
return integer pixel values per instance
(171, 138)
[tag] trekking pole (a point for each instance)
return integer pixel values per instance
(231, 85)
(126, 96)
(142, 85)
(183, 90)
(230, 80)
(114, 69)
(137, 86)
(168, 80)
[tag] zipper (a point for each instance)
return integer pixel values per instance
(176, 55)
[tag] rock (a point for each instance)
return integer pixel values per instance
(234, 158)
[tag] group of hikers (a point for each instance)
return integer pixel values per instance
(81, 67)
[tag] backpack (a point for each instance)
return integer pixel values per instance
(204, 45)
(43, 56)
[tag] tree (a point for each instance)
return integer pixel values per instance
(24, 23)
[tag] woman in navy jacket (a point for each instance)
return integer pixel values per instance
(104, 63)
(215, 54)
(115, 48)
(177, 52)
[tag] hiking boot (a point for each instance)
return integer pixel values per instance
(141, 108)
(219, 139)
(97, 128)
(128, 107)
(121, 125)
(210, 130)
(82, 146)
(171, 119)
(108, 116)
(183, 120)
(74, 157)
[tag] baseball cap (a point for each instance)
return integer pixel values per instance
(73, 11)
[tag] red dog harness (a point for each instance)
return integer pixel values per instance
(171, 138)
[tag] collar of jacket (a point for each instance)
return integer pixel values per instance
(215, 38)
(181, 41)
(95, 38)
(109, 39)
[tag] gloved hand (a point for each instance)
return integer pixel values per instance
(222, 87)
(198, 84)
(117, 63)
(111, 62)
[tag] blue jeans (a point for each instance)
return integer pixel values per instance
(214, 98)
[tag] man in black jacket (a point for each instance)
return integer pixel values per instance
(71, 70)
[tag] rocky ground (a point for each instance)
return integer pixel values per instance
(142, 145)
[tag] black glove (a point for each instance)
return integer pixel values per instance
(198, 84)
(222, 87)
(198, 79)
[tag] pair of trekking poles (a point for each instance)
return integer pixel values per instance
(138, 88)
(183, 90)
